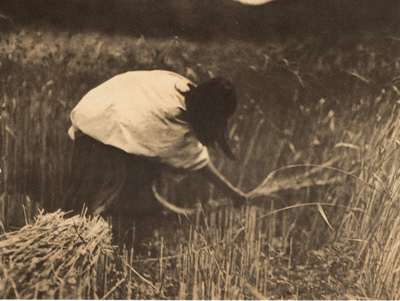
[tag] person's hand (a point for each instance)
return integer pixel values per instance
(239, 199)
(212, 174)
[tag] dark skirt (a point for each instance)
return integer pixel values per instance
(111, 182)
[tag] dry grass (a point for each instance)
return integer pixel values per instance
(66, 258)
(318, 121)
(375, 232)
(55, 257)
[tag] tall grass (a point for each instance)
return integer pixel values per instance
(301, 102)
(375, 229)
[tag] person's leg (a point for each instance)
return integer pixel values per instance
(78, 190)
(114, 183)
(137, 206)
(94, 181)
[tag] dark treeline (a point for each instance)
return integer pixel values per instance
(205, 19)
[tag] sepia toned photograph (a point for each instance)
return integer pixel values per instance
(200, 149)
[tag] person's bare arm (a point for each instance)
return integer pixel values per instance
(219, 181)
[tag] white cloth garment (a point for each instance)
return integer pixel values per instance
(139, 112)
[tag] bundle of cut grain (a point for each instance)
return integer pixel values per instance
(57, 258)
(313, 176)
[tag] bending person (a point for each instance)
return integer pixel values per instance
(135, 124)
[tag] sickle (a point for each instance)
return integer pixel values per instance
(168, 205)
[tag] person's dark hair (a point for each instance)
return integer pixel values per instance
(209, 106)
